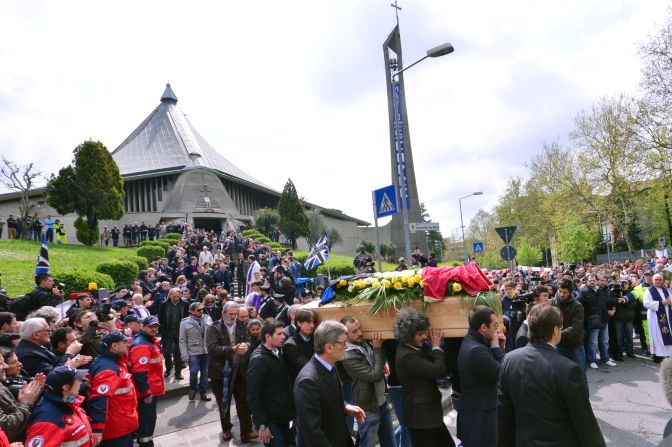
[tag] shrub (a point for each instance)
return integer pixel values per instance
(163, 244)
(275, 246)
(122, 272)
(262, 239)
(167, 241)
(78, 280)
(175, 236)
(85, 234)
(139, 260)
(150, 252)
(249, 231)
(256, 235)
(337, 268)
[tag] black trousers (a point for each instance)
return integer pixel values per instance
(122, 441)
(241, 288)
(170, 348)
(431, 437)
(147, 420)
(238, 392)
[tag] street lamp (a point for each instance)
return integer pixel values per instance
(464, 243)
(438, 51)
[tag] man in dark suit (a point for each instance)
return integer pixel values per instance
(418, 373)
(543, 398)
(479, 362)
(318, 394)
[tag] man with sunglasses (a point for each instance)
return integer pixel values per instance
(193, 349)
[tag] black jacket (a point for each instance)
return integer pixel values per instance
(572, 322)
(269, 390)
(38, 359)
(320, 408)
(596, 302)
(417, 374)
(543, 400)
(220, 347)
(297, 353)
(521, 336)
(479, 367)
(163, 315)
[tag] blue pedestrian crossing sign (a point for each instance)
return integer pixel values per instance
(478, 247)
(385, 201)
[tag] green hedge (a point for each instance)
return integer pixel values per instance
(150, 252)
(78, 280)
(122, 272)
(337, 267)
(175, 236)
(163, 244)
(275, 246)
(139, 260)
(250, 231)
(262, 239)
(167, 241)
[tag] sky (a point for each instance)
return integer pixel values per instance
(297, 88)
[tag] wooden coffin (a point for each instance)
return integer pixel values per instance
(450, 316)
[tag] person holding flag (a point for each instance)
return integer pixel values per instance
(319, 253)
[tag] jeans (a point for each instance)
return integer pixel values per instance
(378, 426)
(281, 435)
(600, 336)
(624, 337)
(578, 356)
(198, 363)
(401, 434)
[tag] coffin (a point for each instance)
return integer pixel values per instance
(451, 316)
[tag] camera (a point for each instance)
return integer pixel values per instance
(60, 286)
(616, 291)
(103, 314)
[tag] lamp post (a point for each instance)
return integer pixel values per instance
(464, 243)
(400, 149)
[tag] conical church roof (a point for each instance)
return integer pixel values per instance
(166, 141)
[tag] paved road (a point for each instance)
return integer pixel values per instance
(627, 400)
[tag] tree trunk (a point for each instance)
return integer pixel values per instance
(668, 218)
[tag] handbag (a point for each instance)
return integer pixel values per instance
(594, 322)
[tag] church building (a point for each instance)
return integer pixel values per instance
(172, 174)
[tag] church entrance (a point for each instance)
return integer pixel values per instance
(208, 224)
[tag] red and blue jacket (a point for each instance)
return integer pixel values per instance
(112, 393)
(55, 423)
(146, 365)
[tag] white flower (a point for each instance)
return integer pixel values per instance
(388, 275)
(378, 275)
(351, 288)
(370, 280)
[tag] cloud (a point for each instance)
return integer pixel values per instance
(298, 88)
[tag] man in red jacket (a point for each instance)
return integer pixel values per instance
(112, 393)
(147, 371)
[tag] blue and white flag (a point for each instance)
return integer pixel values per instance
(43, 258)
(319, 254)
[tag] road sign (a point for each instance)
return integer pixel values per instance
(414, 227)
(661, 241)
(385, 201)
(478, 247)
(508, 253)
(506, 233)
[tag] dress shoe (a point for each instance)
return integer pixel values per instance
(178, 377)
(192, 395)
(205, 397)
(166, 374)
(249, 437)
(227, 435)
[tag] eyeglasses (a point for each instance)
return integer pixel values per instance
(44, 330)
(198, 310)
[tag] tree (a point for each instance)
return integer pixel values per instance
(316, 226)
(265, 219)
(387, 250)
(91, 187)
(293, 219)
(528, 254)
(333, 237)
(22, 180)
(369, 246)
(434, 238)
(576, 241)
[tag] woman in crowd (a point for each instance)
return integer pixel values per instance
(254, 329)
(211, 308)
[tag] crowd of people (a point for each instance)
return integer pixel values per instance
(52, 229)
(231, 311)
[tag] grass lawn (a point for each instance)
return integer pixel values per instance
(18, 258)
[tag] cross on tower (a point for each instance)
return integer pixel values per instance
(397, 8)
